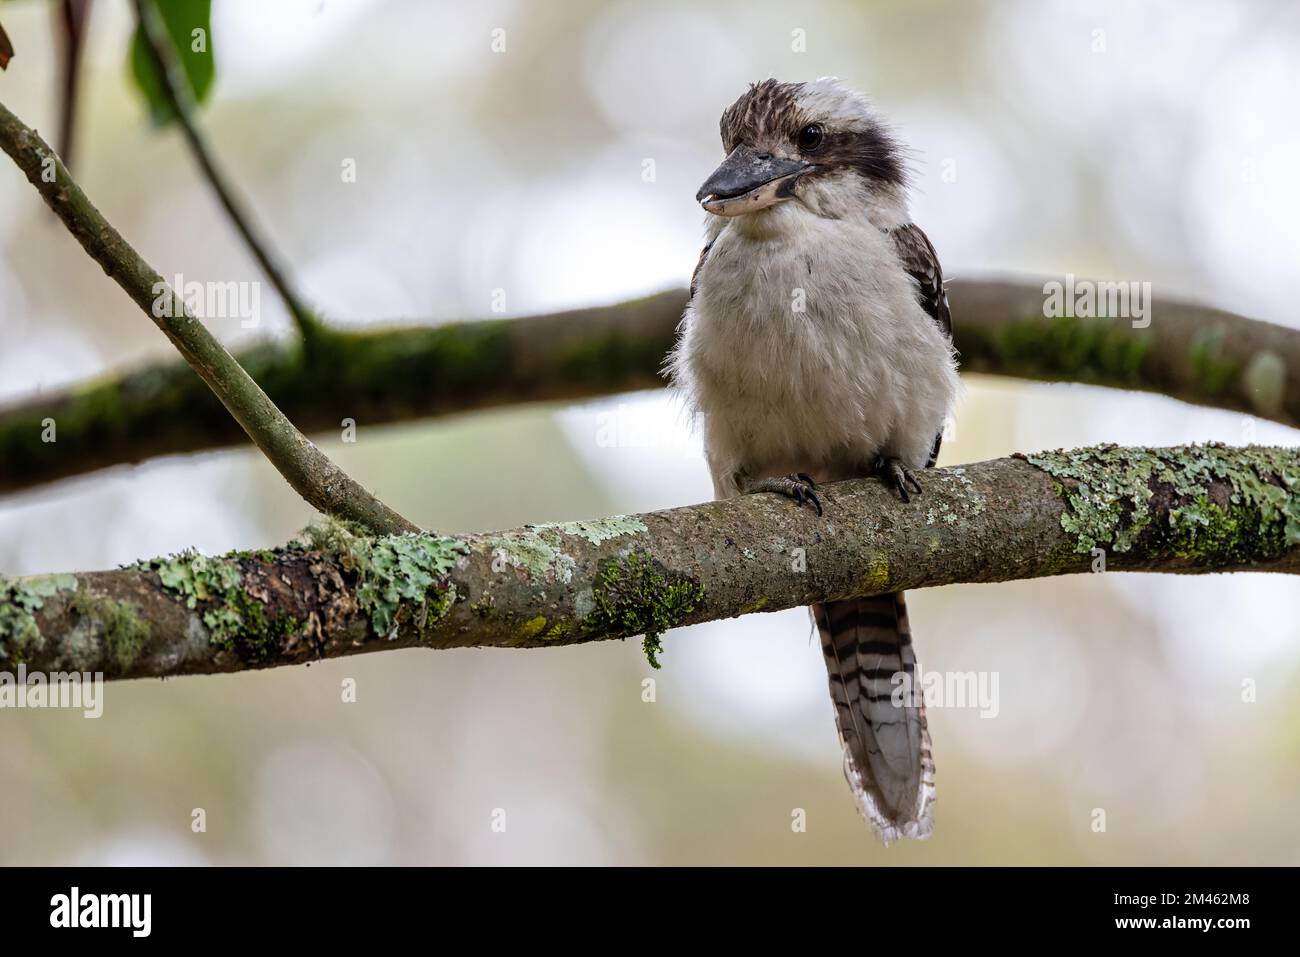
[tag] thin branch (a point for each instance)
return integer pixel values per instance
(175, 87)
(305, 467)
(1201, 355)
(335, 593)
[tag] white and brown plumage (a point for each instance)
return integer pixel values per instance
(816, 347)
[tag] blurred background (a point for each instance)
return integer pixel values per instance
(1145, 142)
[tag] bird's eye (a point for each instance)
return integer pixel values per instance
(809, 139)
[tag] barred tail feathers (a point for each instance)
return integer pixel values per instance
(887, 761)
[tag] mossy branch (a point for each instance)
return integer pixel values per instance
(337, 591)
(385, 375)
(311, 473)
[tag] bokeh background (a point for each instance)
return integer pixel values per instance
(1153, 141)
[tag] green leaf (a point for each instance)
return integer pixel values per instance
(189, 23)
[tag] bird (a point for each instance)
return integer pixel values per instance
(816, 346)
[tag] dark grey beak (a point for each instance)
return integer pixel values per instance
(748, 180)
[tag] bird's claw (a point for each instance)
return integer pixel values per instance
(801, 487)
(900, 476)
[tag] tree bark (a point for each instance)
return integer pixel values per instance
(337, 592)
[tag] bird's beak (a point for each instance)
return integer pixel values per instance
(747, 181)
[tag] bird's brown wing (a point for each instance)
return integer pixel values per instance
(922, 264)
(918, 257)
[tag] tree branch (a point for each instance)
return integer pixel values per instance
(372, 376)
(335, 592)
(1195, 353)
(1201, 355)
(175, 87)
(311, 473)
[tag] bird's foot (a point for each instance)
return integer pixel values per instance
(799, 487)
(899, 476)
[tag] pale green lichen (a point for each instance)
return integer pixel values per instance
(196, 578)
(600, 530)
(20, 599)
(334, 535)
(400, 578)
(404, 577)
(537, 553)
(1223, 505)
(237, 622)
(968, 500)
(637, 595)
(407, 574)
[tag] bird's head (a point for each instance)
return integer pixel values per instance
(817, 143)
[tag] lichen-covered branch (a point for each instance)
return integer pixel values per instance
(336, 591)
(176, 89)
(377, 376)
(311, 473)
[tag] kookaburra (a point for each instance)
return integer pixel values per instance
(817, 346)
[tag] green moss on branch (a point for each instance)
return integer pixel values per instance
(637, 595)
(117, 627)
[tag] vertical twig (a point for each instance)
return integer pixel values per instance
(71, 16)
(175, 87)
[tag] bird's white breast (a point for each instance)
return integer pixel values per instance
(804, 348)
